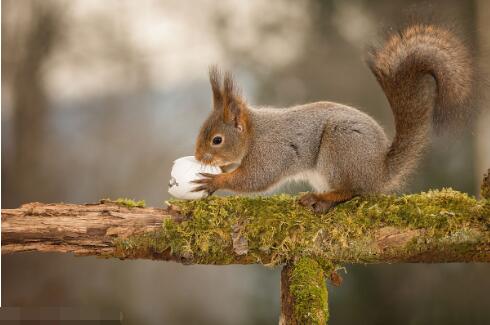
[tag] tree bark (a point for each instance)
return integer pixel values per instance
(287, 311)
(88, 229)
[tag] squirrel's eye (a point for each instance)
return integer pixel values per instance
(217, 140)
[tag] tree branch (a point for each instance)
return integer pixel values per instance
(438, 226)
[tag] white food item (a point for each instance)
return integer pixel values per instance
(184, 171)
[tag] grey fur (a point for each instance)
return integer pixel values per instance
(341, 144)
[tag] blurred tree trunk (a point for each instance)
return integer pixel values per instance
(28, 38)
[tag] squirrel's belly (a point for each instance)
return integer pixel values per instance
(314, 178)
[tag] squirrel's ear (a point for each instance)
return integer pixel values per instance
(215, 81)
(233, 105)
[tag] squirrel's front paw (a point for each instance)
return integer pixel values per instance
(209, 183)
(313, 201)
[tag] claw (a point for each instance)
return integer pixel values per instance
(199, 188)
(200, 181)
(205, 183)
(207, 175)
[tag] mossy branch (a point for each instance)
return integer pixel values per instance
(437, 226)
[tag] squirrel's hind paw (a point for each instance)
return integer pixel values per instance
(316, 203)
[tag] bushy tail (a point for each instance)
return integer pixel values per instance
(427, 75)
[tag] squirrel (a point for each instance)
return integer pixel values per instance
(427, 75)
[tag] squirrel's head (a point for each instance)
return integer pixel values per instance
(224, 136)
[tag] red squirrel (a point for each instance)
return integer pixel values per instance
(427, 75)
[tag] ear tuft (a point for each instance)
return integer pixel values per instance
(232, 103)
(229, 86)
(226, 97)
(215, 81)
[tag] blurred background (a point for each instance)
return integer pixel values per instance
(99, 98)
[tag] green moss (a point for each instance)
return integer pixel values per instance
(277, 229)
(130, 203)
(309, 291)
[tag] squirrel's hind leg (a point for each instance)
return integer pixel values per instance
(323, 202)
